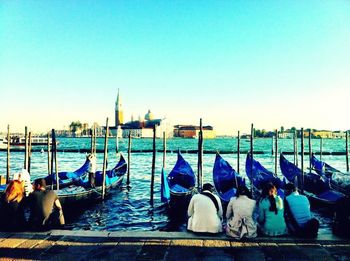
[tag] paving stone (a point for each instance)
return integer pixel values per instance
(272, 252)
(41, 251)
(14, 240)
(339, 252)
(125, 249)
(187, 242)
(292, 252)
(177, 253)
(316, 252)
(216, 243)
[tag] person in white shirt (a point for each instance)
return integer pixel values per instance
(239, 214)
(205, 212)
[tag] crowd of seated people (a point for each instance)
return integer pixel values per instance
(270, 215)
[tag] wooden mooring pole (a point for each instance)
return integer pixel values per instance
(153, 164)
(105, 155)
(347, 150)
(56, 164)
(310, 151)
(295, 147)
(238, 150)
(26, 148)
(321, 145)
(48, 154)
(276, 151)
(29, 150)
(8, 166)
(92, 141)
(95, 140)
(164, 150)
(302, 159)
(252, 154)
(54, 158)
(117, 140)
(200, 156)
(129, 159)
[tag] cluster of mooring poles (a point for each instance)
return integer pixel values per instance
(274, 150)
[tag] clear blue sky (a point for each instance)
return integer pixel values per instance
(233, 63)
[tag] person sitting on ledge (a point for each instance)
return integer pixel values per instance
(12, 207)
(271, 217)
(205, 211)
(297, 213)
(45, 207)
(239, 214)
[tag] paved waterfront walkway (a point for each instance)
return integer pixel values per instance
(131, 245)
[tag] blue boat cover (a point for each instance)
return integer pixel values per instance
(289, 170)
(225, 177)
(66, 176)
(112, 175)
(181, 178)
(165, 190)
(259, 175)
(322, 168)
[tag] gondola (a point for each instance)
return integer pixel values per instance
(314, 186)
(336, 177)
(226, 179)
(181, 179)
(259, 176)
(83, 190)
(68, 178)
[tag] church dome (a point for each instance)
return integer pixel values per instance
(149, 116)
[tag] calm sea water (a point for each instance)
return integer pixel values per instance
(130, 209)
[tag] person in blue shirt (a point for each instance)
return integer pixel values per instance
(297, 213)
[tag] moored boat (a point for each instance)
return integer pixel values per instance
(181, 179)
(336, 177)
(84, 192)
(67, 178)
(314, 186)
(18, 141)
(226, 179)
(259, 176)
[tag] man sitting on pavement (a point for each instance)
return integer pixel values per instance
(205, 212)
(298, 215)
(45, 207)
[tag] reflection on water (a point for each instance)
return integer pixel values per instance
(130, 209)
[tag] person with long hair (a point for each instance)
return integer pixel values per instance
(12, 207)
(239, 214)
(271, 213)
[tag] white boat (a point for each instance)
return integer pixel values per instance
(20, 141)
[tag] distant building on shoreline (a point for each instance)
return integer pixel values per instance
(141, 128)
(191, 131)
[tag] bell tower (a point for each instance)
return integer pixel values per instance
(118, 112)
